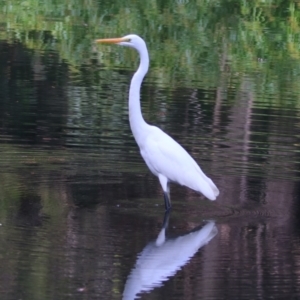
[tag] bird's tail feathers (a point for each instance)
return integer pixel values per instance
(213, 187)
(205, 186)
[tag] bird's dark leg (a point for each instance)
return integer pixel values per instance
(166, 219)
(167, 201)
(167, 198)
(165, 186)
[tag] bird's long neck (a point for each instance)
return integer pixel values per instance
(137, 122)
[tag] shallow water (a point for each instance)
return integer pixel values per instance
(82, 217)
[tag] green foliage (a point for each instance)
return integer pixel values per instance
(189, 41)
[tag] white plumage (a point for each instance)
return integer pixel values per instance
(166, 159)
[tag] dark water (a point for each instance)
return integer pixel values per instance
(82, 217)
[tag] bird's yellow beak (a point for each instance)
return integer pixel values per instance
(111, 41)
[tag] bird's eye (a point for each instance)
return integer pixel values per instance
(128, 40)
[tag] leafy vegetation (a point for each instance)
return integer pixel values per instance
(188, 40)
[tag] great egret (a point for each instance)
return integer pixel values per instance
(163, 155)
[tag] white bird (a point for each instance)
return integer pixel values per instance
(166, 159)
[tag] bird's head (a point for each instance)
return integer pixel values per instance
(130, 40)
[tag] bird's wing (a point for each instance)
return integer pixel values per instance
(165, 156)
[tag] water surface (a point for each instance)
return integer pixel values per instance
(82, 217)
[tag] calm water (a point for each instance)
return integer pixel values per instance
(81, 217)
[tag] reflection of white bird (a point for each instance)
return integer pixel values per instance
(164, 156)
(161, 259)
